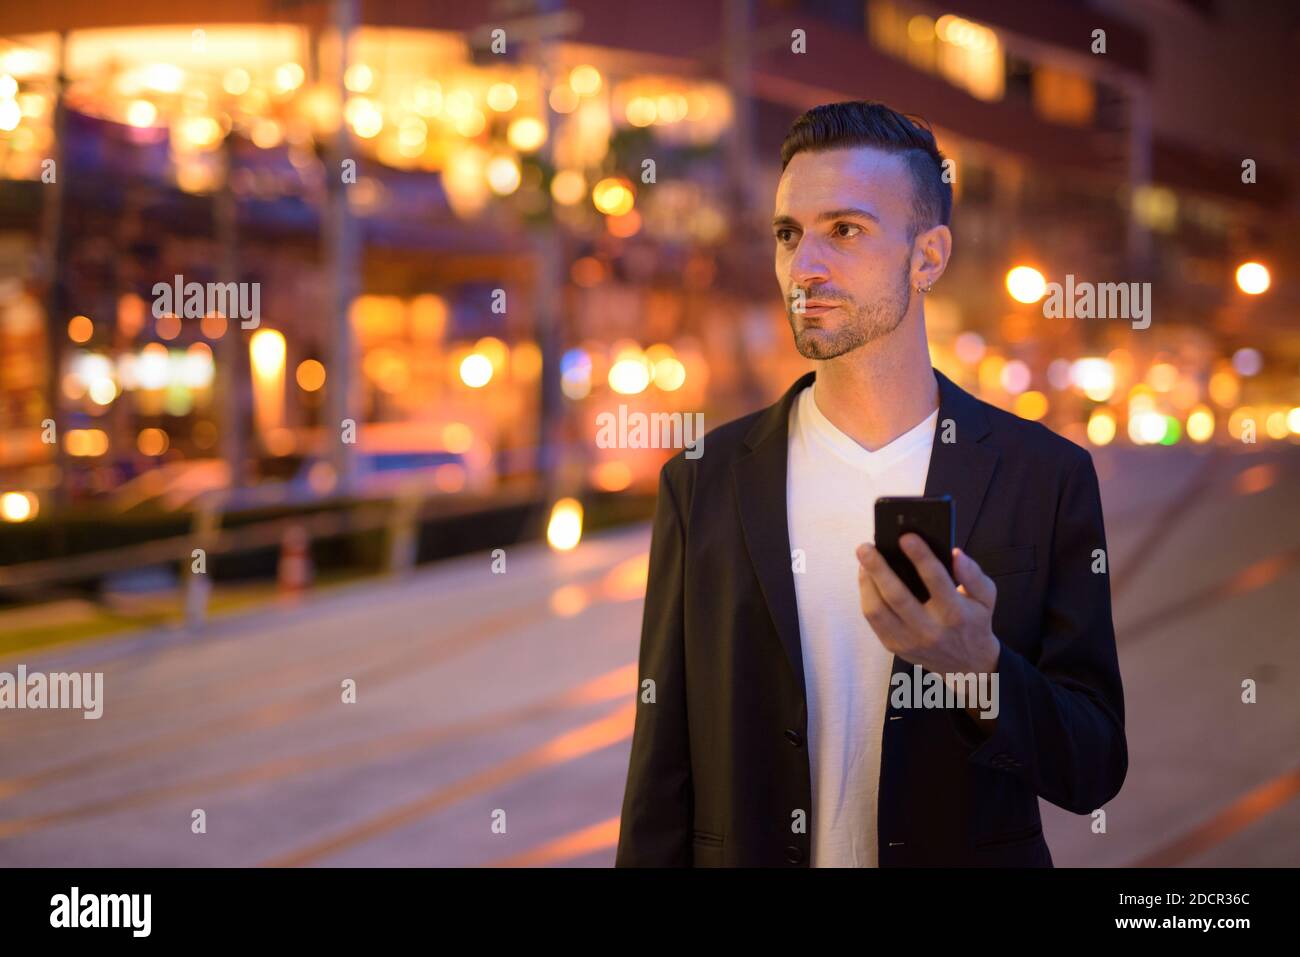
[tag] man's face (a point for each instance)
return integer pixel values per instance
(842, 231)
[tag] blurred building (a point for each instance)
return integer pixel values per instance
(461, 247)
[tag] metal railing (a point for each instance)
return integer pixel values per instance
(399, 516)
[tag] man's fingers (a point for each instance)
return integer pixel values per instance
(897, 596)
(876, 610)
(969, 574)
(943, 592)
(869, 596)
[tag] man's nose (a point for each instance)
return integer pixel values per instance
(808, 265)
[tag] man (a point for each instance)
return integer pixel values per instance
(773, 633)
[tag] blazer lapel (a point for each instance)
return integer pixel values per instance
(960, 465)
(760, 482)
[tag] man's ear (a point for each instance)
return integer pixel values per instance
(930, 252)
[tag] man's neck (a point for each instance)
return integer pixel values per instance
(881, 390)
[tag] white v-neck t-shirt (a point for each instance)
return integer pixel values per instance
(832, 484)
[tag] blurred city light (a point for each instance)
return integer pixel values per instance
(18, 506)
(1015, 377)
(575, 374)
(102, 391)
(1173, 431)
(568, 187)
(564, 530)
(496, 352)
(1031, 405)
(585, 80)
(1247, 361)
(969, 347)
(1224, 388)
(266, 352)
(80, 329)
(1242, 422)
(152, 442)
(612, 196)
(476, 370)
(1146, 428)
(1200, 424)
(1253, 278)
(502, 97)
(1275, 424)
(1095, 377)
(457, 436)
(669, 374)
(630, 375)
(1058, 374)
(503, 175)
(611, 476)
(310, 375)
(1162, 376)
(358, 78)
(526, 134)
(1101, 427)
(568, 601)
(990, 372)
(85, 443)
(1026, 284)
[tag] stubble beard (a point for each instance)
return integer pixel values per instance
(859, 324)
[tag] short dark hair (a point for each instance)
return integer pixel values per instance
(869, 123)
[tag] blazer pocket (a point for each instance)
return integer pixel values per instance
(1006, 561)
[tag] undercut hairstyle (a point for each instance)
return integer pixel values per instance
(869, 123)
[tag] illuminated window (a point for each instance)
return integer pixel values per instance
(966, 54)
(1063, 97)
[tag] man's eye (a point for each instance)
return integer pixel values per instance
(841, 227)
(781, 234)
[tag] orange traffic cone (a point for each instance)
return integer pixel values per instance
(295, 571)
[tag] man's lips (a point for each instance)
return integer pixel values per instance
(815, 307)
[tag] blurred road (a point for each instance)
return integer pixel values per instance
(508, 698)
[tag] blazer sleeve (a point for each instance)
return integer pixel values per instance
(1060, 726)
(656, 823)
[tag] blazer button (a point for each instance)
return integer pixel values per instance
(793, 854)
(793, 736)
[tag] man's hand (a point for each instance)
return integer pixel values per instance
(953, 631)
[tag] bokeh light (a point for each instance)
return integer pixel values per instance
(1026, 284)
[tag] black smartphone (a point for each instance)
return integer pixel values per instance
(931, 517)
